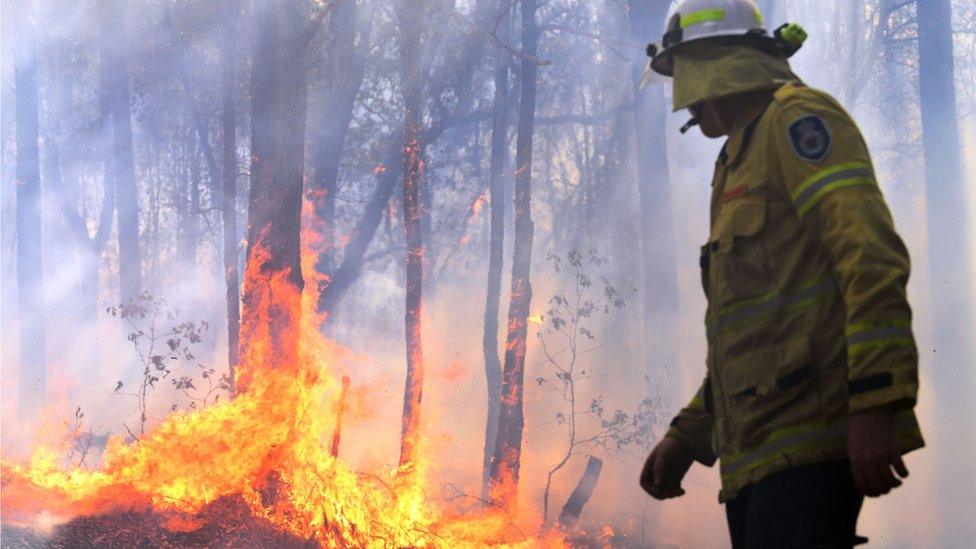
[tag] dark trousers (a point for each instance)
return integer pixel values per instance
(807, 506)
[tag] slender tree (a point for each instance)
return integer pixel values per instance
(189, 230)
(496, 245)
(949, 235)
(506, 458)
(120, 162)
(229, 173)
(410, 17)
(30, 287)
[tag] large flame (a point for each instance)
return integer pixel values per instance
(268, 446)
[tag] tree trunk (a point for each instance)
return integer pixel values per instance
(229, 175)
(60, 180)
(273, 278)
(191, 208)
(895, 102)
(345, 65)
(496, 246)
(503, 484)
(339, 412)
(571, 512)
(950, 251)
(30, 287)
(410, 16)
(120, 162)
(354, 253)
(660, 271)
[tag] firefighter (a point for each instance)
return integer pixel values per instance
(812, 367)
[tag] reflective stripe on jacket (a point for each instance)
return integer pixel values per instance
(807, 319)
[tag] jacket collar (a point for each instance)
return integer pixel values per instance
(742, 129)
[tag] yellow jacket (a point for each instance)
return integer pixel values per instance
(807, 317)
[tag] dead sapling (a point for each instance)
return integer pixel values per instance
(78, 441)
(164, 345)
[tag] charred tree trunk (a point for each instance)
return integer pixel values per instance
(273, 279)
(503, 484)
(30, 288)
(340, 411)
(660, 271)
(229, 175)
(571, 512)
(120, 162)
(410, 18)
(950, 253)
(496, 246)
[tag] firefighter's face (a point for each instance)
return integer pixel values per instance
(714, 122)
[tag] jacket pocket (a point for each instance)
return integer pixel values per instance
(770, 388)
(739, 267)
(704, 263)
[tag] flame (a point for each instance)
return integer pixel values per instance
(535, 318)
(268, 446)
(473, 211)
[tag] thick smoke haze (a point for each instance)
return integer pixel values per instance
(612, 180)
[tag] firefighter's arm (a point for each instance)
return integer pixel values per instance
(692, 427)
(836, 195)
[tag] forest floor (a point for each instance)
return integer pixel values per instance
(225, 523)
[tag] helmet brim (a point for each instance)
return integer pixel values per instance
(663, 62)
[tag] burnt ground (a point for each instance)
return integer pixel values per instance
(224, 524)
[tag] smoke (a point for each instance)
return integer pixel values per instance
(585, 197)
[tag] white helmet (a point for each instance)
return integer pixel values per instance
(739, 20)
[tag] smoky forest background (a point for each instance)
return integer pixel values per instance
(498, 216)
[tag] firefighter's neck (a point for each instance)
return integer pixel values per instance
(724, 115)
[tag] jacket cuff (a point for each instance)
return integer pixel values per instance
(878, 390)
(702, 453)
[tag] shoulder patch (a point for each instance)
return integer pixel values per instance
(810, 138)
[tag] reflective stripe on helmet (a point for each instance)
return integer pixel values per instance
(702, 16)
(712, 14)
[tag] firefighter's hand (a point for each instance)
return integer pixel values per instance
(872, 447)
(664, 469)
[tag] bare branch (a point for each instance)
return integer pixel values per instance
(474, 27)
(614, 45)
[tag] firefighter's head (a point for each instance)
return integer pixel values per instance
(717, 49)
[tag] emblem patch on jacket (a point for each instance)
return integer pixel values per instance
(810, 138)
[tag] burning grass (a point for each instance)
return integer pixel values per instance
(253, 471)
